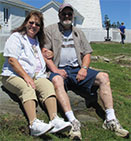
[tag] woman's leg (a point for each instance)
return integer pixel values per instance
(51, 107)
(30, 109)
(47, 97)
(26, 94)
(46, 94)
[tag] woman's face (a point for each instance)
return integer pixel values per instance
(33, 26)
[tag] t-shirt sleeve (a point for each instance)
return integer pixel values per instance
(13, 46)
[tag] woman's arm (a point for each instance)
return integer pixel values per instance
(20, 71)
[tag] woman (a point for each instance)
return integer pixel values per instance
(24, 74)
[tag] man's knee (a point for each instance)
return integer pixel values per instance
(103, 77)
(57, 81)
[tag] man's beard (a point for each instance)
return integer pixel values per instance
(66, 23)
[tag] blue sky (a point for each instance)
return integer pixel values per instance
(117, 10)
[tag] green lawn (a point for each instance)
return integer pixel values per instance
(14, 127)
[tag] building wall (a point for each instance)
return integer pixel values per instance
(90, 10)
(50, 17)
(3, 38)
(92, 35)
(16, 17)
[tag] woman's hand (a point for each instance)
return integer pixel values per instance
(29, 81)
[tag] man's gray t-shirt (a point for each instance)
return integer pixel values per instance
(68, 55)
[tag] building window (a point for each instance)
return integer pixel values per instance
(26, 13)
(6, 15)
(75, 21)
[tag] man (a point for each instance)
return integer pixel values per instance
(70, 68)
(122, 32)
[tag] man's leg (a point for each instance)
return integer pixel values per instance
(64, 101)
(62, 97)
(123, 38)
(102, 79)
(105, 93)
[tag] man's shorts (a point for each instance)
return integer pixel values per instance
(83, 87)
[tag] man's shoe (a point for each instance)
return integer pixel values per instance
(115, 126)
(75, 133)
(38, 127)
(60, 125)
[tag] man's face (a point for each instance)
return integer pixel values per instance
(66, 17)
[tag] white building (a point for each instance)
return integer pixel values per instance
(12, 14)
(50, 12)
(87, 16)
(91, 12)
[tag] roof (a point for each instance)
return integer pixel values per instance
(57, 4)
(19, 3)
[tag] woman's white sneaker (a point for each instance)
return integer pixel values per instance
(38, 127)
(60, 125)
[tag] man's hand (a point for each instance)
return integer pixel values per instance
(62, 72)
(47, 53)
(82, 73)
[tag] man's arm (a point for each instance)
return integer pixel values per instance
(47, 53)
(54, 68)
(85, 65)
(86, 61)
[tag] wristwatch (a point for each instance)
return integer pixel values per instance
(84, 67)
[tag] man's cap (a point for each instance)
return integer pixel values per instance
(65, 5)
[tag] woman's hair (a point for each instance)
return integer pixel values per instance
(22, 29)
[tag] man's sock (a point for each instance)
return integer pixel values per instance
(70, 115)
(110, 114)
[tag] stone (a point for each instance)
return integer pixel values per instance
(9, 103)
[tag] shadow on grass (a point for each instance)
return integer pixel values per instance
(49, 138)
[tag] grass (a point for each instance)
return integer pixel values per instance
(14, 127)
(1, 61)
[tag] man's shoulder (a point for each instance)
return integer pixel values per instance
(51, 26)
(78, 30)
(122, 27)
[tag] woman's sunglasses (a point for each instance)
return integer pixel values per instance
(37, 24)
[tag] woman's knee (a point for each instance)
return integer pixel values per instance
(27, 94)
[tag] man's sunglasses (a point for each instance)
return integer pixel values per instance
(37, 24)
(69, 14)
